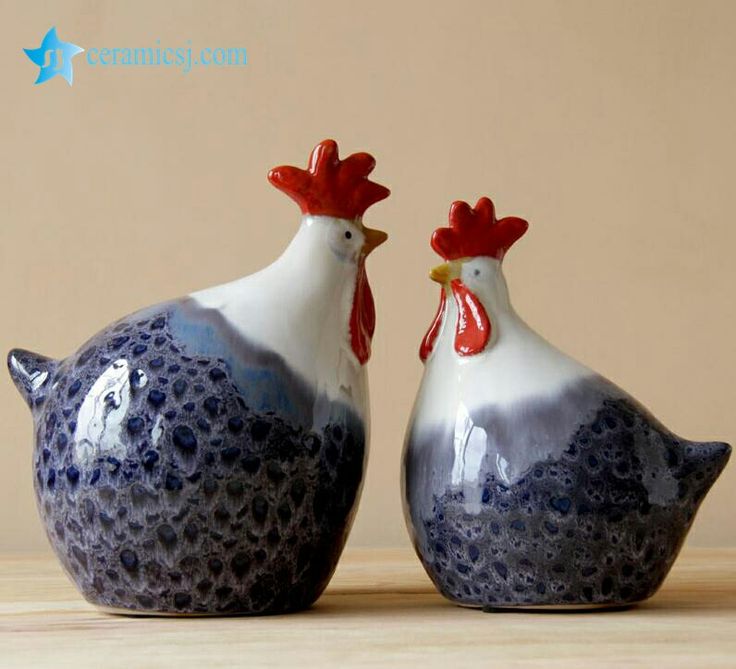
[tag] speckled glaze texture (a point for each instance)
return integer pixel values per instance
(599, 523)
(163, 490)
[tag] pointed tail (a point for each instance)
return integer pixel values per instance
(31, 373)
(702, 464)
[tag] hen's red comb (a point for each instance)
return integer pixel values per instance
(476, 232)
(330, 186)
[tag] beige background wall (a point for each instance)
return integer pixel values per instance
(610, 126)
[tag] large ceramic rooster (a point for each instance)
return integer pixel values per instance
(206, 455)
(529, 479)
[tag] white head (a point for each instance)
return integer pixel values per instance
(333, 194)
(483, 277)
(474, 246)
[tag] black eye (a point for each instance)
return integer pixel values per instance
(348, 234)
(476, 272)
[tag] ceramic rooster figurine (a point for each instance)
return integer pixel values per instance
(530, 480)
(206, 455)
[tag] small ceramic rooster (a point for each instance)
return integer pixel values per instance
(530, 480)
(206, 455)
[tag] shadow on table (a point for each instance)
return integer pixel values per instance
(694, 600)
(359, 601)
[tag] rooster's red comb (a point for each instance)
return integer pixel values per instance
(330, 186)
(476, 232)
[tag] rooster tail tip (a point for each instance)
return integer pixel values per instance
(31, 373)
(704, 462)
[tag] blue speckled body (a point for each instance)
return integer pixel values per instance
(177, 474)
(596, 519)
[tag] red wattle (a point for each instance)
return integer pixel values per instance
(362, 316)
(428, 342)
(473, 329)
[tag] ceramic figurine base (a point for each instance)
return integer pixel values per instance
(137, 613)
(553, 608)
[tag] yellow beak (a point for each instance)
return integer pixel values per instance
(373, 239)
(444, 273)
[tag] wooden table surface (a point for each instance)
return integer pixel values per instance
(380, 610)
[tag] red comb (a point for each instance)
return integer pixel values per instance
(476, 232)
(330, 186)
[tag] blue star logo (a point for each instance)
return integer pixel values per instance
(54, 57)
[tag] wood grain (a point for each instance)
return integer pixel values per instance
(379, 611)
